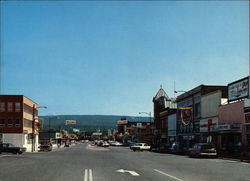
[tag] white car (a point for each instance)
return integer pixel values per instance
(115, 143)
(140, 147)
(105, 144)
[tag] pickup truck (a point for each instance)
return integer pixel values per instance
(8, 147)
(140, 147)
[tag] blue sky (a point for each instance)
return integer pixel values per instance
(111, 57)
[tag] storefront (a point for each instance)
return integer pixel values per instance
(228, 138)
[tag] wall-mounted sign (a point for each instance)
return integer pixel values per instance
(58, 135)
(226, 127)
(70, 122)
(238, 90)
(186, 115)
(206, 124)
(122, 122)
(138, 125)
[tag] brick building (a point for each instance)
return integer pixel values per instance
(18, 124)
(163, 106)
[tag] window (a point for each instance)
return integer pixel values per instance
(17, 107)
(2, 122)
(10, 106)
(2, 107)
(18, 122)
(29, 138)
(10, 123)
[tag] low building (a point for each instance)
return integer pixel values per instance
(210, 115)
(246, 126)
(172, 127)
(137, 131)
(230, 130)
(18, 121)
(233, 128)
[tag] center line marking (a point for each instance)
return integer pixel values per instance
(90, 175)
(86, 175)
(167, 175)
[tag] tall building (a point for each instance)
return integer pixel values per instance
(18, 124)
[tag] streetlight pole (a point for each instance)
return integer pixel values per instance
(148, 113)
(33, 125)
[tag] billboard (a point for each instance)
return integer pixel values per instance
(70, 122)
(122, 122)
(239, 89)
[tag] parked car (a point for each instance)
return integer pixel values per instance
(175, 148)
(140, 147)
(8, 147)
(105, 144)
(203, 149)
(45, 147)
(115, 143)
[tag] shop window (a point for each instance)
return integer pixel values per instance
(17, 107)
(29, 138)
(197, 109)
(2, 107)
(2, 122)
(18, 123)
(10, 123)
(10, 106)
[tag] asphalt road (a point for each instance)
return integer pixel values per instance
(84, 162)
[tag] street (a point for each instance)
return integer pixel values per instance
(85, 162)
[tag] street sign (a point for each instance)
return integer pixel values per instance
(70, 122)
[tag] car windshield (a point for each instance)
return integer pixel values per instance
(207, 146)
(11, 145)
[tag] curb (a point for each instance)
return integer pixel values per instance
(233, 159)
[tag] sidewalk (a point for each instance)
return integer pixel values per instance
(235, 159)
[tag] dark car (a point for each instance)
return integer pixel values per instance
(175, 148)
(10, 148)
(203, 149)
(46, 147)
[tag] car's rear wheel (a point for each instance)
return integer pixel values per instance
(20, 152)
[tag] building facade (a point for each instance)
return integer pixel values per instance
(18, 124)
(172, 128)
(210, 114)
(190, 134)
(134, 131)
(230, 130)
(163, 106)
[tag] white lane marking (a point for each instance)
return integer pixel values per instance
(167, 175)
(90, 175)
(86, 175)
(133, 173)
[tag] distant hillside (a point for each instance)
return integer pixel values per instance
(87, 122)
